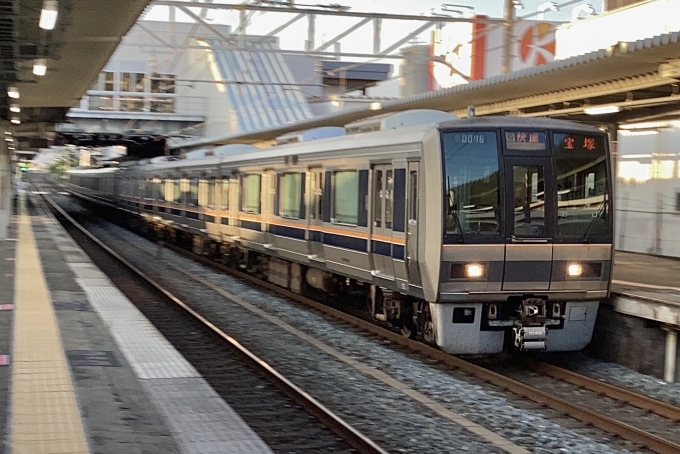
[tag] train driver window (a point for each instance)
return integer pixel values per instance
(290, 195)
(346, 197)
(250, 199)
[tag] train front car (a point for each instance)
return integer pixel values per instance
(527, 235)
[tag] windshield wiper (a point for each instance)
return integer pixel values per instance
(600, 211)
(459, 228)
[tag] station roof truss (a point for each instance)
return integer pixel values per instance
(641, 78)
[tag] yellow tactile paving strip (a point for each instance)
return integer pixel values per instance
(44, 417)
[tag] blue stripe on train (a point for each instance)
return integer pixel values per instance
(290, 232)
(251, 225)
(398, 251)
(315, 235)
(381, 248)
(191, 215)
(347, 242)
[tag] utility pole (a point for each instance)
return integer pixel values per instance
(509, 17)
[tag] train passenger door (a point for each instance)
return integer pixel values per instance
(529, 205)
(381, 235)
(412, 224)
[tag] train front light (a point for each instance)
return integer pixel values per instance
(574, 270)
(474, 270)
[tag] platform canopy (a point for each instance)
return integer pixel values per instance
(85, 36)
(635, 81)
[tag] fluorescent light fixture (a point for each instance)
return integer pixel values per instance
(628, 132)
(574, 270)
(600, 110)
(9, 133)
(375, 106)
(16, 120)
(9, 139)
(13, 92)
(48, 15)
(40, 67)
(14, 108)
(646, 125)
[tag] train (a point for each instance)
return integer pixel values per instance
(479, 235)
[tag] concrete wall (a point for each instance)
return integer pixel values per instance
(630, 341)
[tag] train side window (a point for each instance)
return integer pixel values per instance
(389, 202)
(224, 194)
(192, 193)
(377, 199)
(413, 197)
(210, 196)
(176, 191)
(317, 195)
(346, 197)
(250, 190)
(290, 195)
(148, 189)
(159, 192)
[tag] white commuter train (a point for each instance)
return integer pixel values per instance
(476, 234)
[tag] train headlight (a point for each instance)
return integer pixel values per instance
(474, 270)
(574, 270)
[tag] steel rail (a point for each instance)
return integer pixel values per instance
(348, 433)
(578, 412)
(621, 394)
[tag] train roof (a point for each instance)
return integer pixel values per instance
(517, 122)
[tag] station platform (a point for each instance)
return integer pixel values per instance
(82, 370)
(647, 286)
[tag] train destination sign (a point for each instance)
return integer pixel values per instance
(579, 142)
(525, 140)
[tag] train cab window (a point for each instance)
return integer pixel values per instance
(192, 193)
(471, 184)
(290, 195)
(250, 199)
(223, 188)
(583, 205)
(346, 197)
(317, 194)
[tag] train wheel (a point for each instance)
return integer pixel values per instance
(427, 326)
(408, 326)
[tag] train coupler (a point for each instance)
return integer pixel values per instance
(530, 332)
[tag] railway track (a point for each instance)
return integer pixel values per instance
(285, 416)
(545, 397)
